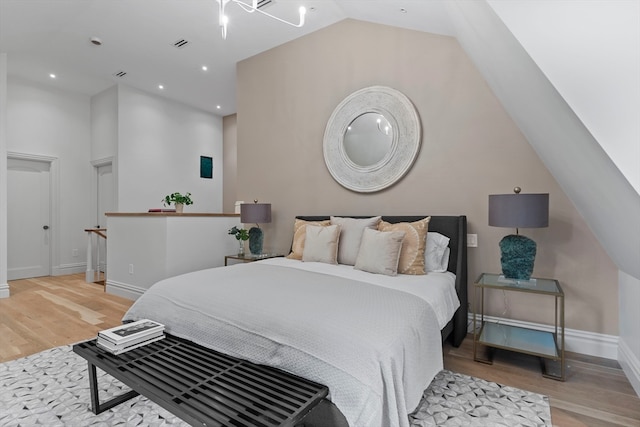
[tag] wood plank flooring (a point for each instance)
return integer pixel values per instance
(47, 312)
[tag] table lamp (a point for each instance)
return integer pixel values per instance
(255, 213)
(517, 252)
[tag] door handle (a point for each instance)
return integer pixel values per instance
(46, 227)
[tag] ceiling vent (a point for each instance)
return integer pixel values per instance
(264, 3)
(120, 74)
(179, 44)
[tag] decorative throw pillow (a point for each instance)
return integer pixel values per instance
(351, 235)
(434, 254)
(299, 234)
(321, 244)
(412, 253)
(380, 252)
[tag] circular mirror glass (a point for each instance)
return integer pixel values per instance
(368, 139)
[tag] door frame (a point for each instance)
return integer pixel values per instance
(54, 209)
(96, 164)
(94, 184)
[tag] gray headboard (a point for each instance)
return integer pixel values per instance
(455, 228)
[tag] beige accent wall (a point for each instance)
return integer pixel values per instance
(470, 149)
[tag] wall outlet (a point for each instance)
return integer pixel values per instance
(74, 253)
(472, 240)
(130, 268)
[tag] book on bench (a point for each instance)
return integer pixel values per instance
(130, 335)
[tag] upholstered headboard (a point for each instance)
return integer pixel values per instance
(455, 228)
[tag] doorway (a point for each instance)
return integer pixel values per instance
(28, 218)
(106, 203)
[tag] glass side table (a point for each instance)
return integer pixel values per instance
(249, 257)
(547, 345)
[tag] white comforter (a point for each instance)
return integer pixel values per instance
(375, 348)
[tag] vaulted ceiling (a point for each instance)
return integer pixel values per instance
(43, 37)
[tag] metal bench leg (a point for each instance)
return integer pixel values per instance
(98, 408)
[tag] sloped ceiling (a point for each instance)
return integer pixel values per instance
(601, 193)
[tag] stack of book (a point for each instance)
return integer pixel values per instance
(130, 335)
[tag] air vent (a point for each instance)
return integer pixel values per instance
(120, 74)
(179, 44)
(264, 3)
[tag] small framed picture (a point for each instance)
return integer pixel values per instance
(206, 167)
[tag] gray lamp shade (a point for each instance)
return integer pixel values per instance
(519, 210)
(255, 213)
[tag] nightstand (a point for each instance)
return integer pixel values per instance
(250, 257)
(548, 345)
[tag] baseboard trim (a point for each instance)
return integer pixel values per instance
(124, 290)
(630, 365)
(4, 290)
(577, 341)
(64, 269)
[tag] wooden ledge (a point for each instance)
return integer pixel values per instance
(186, 214)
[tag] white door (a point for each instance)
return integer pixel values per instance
(28, 219)
(106, 203)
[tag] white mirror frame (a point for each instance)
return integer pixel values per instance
(404, 119)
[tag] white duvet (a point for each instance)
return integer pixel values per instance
(376, 345)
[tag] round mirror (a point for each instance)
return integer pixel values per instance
(368, 139)
(372, 139)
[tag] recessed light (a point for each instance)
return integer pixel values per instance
(205, 68)
(160, 87)
(96, 41)
(403, 10)
(53, 76)
(218, 107)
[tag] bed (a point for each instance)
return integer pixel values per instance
(374, 339)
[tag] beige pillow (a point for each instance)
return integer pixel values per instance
(380, 252)
(299, 234)
(351, 235)
(321, 244)
(415, 239)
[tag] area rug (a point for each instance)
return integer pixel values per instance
(51, 388)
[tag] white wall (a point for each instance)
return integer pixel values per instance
(104, 124)
(159, 148)
(44, 121)
(590, 51)
(144, 249)
(4, 287)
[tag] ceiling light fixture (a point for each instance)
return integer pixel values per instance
(53, 76)
(160, 87)
(205, 68)
(223, 19)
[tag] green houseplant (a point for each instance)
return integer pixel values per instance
(179, 200)
(241, 236)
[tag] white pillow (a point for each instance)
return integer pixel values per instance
(434, 254)
(350, 235)
(380, 251)
(321, 244)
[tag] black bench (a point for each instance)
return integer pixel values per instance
(201, 386)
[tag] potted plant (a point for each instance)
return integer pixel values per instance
(241, 236)
(179, 200)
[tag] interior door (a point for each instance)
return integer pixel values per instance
(106, 203)
(28, 218)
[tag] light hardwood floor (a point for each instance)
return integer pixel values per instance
(48, 312)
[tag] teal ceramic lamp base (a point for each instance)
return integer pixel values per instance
(517, 256)
(256, 236)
